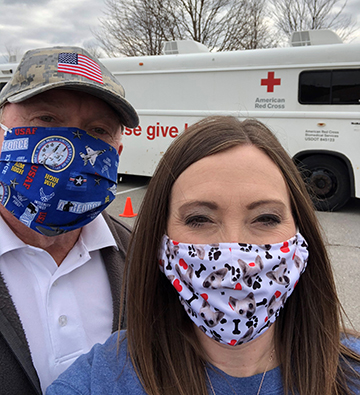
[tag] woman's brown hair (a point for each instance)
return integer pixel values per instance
(161, 340)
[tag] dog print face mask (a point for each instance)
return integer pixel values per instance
(56, 179)
(233, 292)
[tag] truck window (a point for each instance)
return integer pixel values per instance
(330, 87)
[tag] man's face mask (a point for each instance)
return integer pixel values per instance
(55, 180)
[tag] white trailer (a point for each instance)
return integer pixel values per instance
(309, 96)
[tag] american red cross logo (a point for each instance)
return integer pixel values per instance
(270, 81)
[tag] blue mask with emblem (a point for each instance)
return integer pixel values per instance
(55, 180)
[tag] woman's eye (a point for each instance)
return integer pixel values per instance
(268, 219)
(197, 221)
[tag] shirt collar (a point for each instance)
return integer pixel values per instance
(9, 240)
(96, 235)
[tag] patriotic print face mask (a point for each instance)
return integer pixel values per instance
(55, 180)
(233, 292)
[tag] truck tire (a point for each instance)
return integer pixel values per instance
(328, 182)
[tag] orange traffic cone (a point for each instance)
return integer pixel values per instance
(128, 211)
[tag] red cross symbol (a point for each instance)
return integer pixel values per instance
(270, 81)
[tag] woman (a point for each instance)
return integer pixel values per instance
(229, 285)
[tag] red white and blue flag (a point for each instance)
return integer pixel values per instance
(78, 64)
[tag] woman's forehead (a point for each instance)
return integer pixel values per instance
(243, 170)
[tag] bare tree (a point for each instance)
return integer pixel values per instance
(290, 16)
(259, 35)
(136, 27)
(93, 49)
(139, 27)
(226, 25)
(13, 54)
(219, 24)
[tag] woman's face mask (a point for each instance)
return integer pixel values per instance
(55, 180)
(233, 292)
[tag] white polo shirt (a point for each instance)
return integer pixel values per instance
(64, 309)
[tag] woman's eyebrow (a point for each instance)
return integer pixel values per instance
(257, 203)
(198, 203)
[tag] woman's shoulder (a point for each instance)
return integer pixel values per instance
(352, 365)
(107, 368)
(352, 342)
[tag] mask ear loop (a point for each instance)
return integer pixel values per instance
(5, 129)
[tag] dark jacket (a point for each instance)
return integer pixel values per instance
(17, 373)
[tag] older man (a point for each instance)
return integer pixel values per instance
(61, 263)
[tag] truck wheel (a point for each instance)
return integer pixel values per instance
(328, 181)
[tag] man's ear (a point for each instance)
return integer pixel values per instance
(121, 146)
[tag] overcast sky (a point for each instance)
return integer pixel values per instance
(27, 24)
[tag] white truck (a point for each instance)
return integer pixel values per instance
(308, 95)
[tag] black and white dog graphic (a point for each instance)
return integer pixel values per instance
(187, 307)
(299, 263)
(187, 277)
(211, 318)
(246, 337)
(250, 271)
(275, 304)
(196, 250)
(214, 279)
(171, 250)
(279, 274)
(245, 307)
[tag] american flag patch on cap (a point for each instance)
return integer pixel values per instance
(78, 64)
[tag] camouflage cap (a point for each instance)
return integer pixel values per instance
(70, 68)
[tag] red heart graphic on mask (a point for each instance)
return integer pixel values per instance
(296, 284)
(204, 296)
(277, 294)
(293, 256)
(177, 285)
(232, 308)
(252, 264)
(285, 247)
(238, 287)
(183, 264)
(175, 243)
(161, 262)
(230, 249)
(266, 318)
(232, 342)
